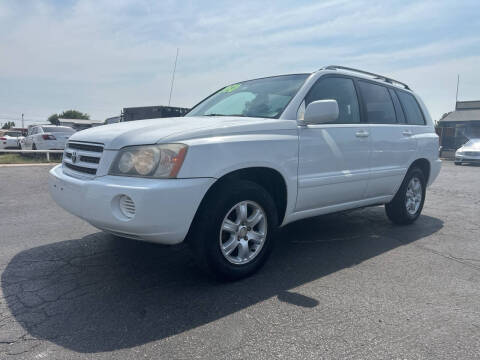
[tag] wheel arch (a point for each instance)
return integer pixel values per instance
(268, 178)
(424, 165)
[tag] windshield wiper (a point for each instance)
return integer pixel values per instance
(224, 115)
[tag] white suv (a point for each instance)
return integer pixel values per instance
(250, 158)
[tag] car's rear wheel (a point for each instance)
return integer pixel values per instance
(407, 204)
(34, 147)
(234, 230)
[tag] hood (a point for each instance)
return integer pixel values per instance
(475, 146)
(152, 131)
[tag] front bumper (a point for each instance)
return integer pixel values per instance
(164, 208)
(467, 158)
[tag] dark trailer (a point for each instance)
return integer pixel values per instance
(151, 112)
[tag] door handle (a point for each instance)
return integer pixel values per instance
(362, 133)
(407, 133)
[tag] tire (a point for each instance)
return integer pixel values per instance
(458, 163)
(221, 210)
(397, 210)
(34, 155)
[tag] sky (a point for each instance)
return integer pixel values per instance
(99, 56)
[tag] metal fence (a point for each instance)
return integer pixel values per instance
(47, 152)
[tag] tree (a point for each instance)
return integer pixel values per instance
(8, 125)
(54, 119)
(68, 114)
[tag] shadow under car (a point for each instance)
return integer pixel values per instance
(102, 293)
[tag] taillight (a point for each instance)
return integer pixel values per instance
(3, 138)
(48, 137)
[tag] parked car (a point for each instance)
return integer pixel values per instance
(10, 140)
(468, 153)
(47, 137)
(250, 158)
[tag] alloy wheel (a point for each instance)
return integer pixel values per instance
(413, 197)
(243, 232)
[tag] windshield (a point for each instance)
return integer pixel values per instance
(473, 143)
(265, 98)
(13, 133)
(51, 129)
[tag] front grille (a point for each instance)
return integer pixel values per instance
(81, 169)
(85, 147)
(472, 153)
(90, 159)
(82, 158)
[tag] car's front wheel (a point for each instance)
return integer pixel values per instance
(407, 204)
(233, 233)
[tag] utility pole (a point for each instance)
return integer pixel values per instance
(456, 96)
(23, 127)
(173, 78)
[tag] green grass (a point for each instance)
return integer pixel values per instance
(28, 159)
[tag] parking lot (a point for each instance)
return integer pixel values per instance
(348, 285)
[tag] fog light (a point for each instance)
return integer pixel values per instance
(127, 206)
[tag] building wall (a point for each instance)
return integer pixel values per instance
(454, 134)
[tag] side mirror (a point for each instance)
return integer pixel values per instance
(321, 112)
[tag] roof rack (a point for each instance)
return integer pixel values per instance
(375, 76)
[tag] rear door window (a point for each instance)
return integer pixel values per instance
(412, 109)
(377, 103)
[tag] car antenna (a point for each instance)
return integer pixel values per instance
(173, 77)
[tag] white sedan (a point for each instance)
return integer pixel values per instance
(468, 153)
(11, 140)
(47, 137)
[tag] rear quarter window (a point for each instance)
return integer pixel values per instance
(413, 113)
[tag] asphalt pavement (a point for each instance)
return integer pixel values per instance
(341, 286)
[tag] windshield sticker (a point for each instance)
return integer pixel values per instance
(230, 88)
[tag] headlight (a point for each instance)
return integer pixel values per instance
(153, 161)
